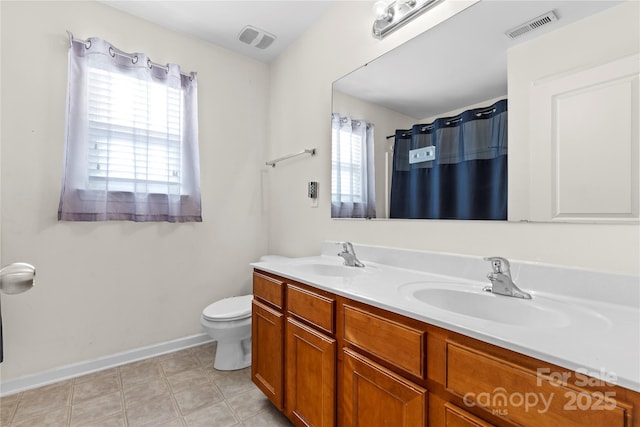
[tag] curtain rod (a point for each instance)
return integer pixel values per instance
(454, 119)
(115, 51)
(272, 163)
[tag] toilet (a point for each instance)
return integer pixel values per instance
(228, 321)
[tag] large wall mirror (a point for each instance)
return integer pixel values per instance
(455, 69)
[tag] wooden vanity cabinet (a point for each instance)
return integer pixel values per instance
(310, 357)
(382, 359)
(267, 337)
(524, 391)
(326, 360)
(475, 383)
(294, 348)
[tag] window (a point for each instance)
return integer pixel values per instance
(134, 134)
(346, 165)
(132, 138)
(352, 168)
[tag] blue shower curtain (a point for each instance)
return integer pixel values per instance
(468, 177)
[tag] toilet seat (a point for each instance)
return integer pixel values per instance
(234, 308)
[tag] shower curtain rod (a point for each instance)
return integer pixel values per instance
(409, 132)
(115, 51)
(454, 119)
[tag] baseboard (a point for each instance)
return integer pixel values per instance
(77, 369)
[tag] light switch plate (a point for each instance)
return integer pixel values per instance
(312, 189)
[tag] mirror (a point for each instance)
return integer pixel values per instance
(459, 65)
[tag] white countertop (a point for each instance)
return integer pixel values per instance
(606, 345)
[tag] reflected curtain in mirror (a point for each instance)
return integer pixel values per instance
(467, 179)
(352, 168)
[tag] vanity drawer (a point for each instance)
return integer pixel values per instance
(400, 345)
(524, 396)
(316, 309)
(268, 289)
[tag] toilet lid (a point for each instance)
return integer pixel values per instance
(229, 308)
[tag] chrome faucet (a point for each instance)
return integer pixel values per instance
(349, 255)
(501, 281)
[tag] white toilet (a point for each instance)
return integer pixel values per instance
(228, 321)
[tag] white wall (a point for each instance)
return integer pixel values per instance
(301, 82)
(104, 288)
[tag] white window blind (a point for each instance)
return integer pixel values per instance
(346, 167)
(134, 134)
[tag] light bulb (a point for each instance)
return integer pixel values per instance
(382, 11)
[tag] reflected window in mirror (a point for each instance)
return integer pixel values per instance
(352, 168)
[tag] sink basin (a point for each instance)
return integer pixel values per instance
(496, 308)
(472, 301)
(330, 270)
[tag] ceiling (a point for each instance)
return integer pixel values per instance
(220, 22)
(459, 62)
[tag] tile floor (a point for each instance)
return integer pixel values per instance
(180, 389)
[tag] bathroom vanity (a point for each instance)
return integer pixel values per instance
(335, 345)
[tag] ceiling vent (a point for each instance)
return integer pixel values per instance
(534, 24)
(256, 37)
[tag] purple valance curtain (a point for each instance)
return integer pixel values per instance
(131, 148)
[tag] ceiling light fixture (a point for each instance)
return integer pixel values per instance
(391, 16)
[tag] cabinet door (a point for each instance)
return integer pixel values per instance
(374, 396)
(266, 351)
(310, 375)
